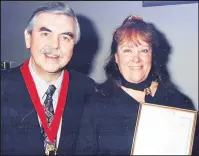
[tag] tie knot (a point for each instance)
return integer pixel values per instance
(50, 91)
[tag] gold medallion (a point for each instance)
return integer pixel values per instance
(147, 91)
(50, 148)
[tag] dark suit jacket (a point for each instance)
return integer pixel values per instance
(109, 119)
(20, 129)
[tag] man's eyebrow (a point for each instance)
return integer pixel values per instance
(64, 33)
(45, 29)
(69, 34)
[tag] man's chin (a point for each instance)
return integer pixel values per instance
(53, 70)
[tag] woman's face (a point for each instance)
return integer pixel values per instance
(134, 62)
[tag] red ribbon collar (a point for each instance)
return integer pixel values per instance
(51, 131)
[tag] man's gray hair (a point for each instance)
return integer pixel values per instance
(57, 8)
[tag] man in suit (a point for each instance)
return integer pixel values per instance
(41, 103)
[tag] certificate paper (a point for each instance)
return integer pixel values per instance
(162, 130)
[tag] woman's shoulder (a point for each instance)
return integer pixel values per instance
(176, 98)
(103, 93)
(106, 88)
(81, 82)
(80, 77)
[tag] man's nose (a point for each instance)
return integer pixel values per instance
(55, 42)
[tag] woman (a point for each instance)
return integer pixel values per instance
(135, 74)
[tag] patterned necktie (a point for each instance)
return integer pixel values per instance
(50, 148)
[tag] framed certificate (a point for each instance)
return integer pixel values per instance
(163, 130)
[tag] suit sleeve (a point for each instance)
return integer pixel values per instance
(87, 140)
(8, 116)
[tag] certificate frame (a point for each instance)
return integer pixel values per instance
(179, 111)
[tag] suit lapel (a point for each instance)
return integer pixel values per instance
(70, 121)
(28, 123)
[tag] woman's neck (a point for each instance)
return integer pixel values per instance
(136, 86)
(140, 95)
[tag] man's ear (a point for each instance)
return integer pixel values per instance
(27, 37)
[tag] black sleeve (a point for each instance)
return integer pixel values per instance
(90, 89)
(180, 100)
(87, 140)
(83, 84)
(8, 114)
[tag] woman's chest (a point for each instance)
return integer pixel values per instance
(115, 127)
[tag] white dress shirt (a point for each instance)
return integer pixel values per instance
(42, 87)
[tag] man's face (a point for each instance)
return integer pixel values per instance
(51, 32)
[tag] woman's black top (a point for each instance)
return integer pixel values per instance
(109, 119)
